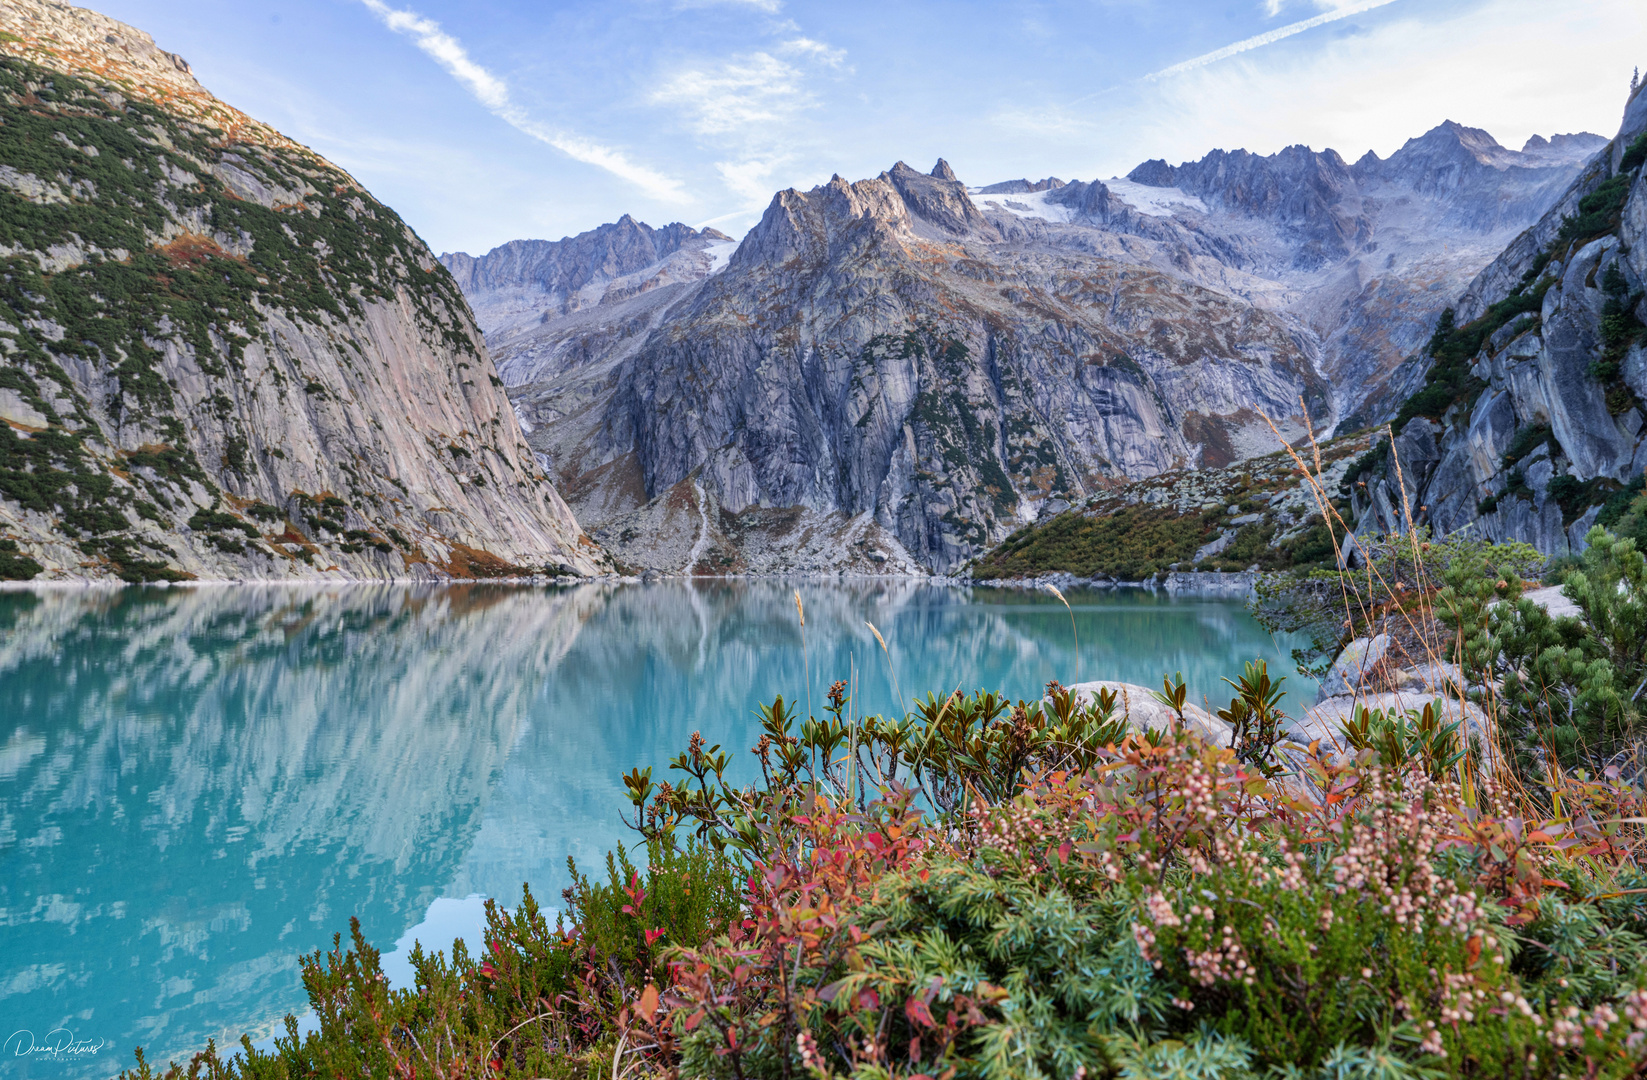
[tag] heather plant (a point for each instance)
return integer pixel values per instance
(1419, 738)
(1169, 910)
(994, 889)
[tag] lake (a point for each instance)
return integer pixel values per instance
(198, 785)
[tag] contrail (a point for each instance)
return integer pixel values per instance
(1267, 38)
(493, 93)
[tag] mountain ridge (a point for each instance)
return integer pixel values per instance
(1339, 270)
(222, 358)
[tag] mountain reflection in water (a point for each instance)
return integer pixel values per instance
(197, 785)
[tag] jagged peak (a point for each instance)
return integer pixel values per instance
(1153, 173)
(942, 170)
(1022, 185)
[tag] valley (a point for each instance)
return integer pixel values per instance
(894, 374)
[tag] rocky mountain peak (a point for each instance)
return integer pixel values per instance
(1153, 173)
(1022, 186)
(92, 46)
(805, 225)
(562, 267)
(942, 170)
(277, 382)
(940, 201)
(1451, 142)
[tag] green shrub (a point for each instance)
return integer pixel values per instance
(1130, 544)
(1634, 154)
(14, 565)
(1598, 213)
(1528, 439)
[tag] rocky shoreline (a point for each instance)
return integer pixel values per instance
(1196, 583)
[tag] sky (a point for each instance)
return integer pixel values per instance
(484, 121)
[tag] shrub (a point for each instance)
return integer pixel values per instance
(15, 566)
(1634, 154)
(1598, 213)
(995, 889)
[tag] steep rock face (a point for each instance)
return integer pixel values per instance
(875, 365)
(723, 421)
(1369, 254)
(1531, 425)
(524, 283)
(1296, 188)
(221, 357)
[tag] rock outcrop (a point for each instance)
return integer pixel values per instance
(877, 364)
(1530, 423)
(220, 357)
(896, 373)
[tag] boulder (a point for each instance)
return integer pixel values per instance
(1325, 719)
(1146, 713)
(1353, 665)
(1554, 601)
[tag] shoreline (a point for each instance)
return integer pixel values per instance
(1187, 583)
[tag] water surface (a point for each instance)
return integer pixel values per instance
(198, 785)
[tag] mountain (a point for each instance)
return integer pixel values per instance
(895, 374)
(880, 379)
(220, 357)
(1529, 422)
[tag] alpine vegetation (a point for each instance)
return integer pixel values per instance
(220, 357)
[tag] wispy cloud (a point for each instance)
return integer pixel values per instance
(750, 106)
(744, 92)
(815, 50)
(1270, 37)
(493, 93)
(759, 5)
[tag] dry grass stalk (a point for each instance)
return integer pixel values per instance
(1423, 628)
(1053, 589)
(891, 670)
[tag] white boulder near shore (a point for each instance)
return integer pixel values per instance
(1145, 712)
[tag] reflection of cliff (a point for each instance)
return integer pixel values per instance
(195, 786)
(653, 664)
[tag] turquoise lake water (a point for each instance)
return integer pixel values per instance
(198, 785)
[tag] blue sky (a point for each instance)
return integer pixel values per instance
(491, 120)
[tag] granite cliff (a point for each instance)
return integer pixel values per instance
(1528, 424)
(897, 373)
(220, 357)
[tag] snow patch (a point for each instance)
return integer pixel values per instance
(1154, 201)
(1023, 204)
(720, 253)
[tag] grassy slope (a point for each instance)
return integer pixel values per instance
(1149, 526)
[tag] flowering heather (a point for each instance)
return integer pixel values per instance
(1001, 890)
